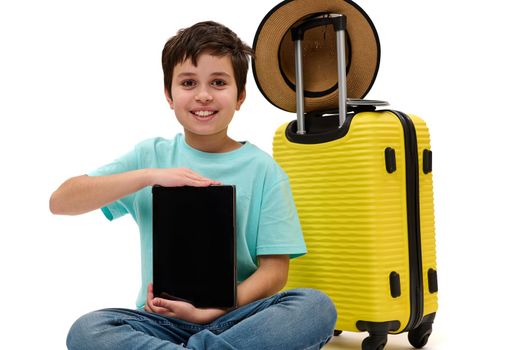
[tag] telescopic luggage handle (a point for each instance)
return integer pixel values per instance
(339, 23)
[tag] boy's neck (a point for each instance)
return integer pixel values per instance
(219, 143)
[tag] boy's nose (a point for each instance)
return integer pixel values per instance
(203, 96)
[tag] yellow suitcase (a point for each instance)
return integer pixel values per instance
(362, 184)
(365, 203)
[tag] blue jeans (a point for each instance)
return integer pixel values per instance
(294, 319)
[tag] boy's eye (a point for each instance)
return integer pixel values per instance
(218, 82)
(188, 83)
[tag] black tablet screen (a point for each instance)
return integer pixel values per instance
(194, 255)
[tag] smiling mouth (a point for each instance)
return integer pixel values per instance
(204, 115)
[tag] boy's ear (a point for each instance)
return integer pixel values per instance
(169, 98)
(241, 99)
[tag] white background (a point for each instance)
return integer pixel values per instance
(81, 83)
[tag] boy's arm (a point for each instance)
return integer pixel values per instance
(82, 194)
(269, 278)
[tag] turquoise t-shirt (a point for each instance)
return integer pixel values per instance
(267, 220)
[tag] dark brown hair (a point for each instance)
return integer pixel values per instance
(209, 37)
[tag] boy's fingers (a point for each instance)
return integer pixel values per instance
(204, 182)
(156, 309)
(196, 176)
(162, 303)
(149, 301)
(197, 179)
(159, 302)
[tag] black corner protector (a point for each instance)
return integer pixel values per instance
(390, 160)
(429, 318)
(432, 280)
(378, 327)
(394, 282)
(427, 161)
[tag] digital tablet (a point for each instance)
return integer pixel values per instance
(194, 244)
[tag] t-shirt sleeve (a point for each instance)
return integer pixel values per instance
(127, 162)
(279, 228)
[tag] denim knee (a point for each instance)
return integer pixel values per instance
(321, 307)
(81, 335)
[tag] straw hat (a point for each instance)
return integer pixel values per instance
(274, 68)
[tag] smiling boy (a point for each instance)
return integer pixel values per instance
(205, 113)
(205, 68)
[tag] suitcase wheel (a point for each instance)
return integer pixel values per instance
(374, 342)
(418, 337)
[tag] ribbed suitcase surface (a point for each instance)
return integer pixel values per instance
(354, 218)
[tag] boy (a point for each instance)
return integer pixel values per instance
(205, 68)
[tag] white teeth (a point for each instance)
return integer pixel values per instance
(203, 113)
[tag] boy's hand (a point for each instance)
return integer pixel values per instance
(174, 177)
(180, 309)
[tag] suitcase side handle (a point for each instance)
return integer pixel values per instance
(339, 22)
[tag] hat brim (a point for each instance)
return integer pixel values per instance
(273, 66)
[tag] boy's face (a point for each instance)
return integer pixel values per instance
(204, 97)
